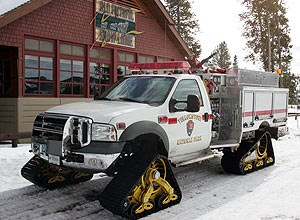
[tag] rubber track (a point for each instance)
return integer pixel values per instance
(116, 192)
(39, 171)
(231, 161)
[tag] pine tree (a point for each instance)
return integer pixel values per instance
(235, 62)
(185, 22)
(291, 81)
(222, 56)
(267, 33)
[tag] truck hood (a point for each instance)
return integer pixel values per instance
(99, 111)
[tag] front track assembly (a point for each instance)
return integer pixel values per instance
(144, 185)
(250, 156)
(46, 175)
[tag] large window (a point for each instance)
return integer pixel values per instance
(71, 77)
(99, 77)
(39, 67)
(100, 70)
(163, 59)
(124, 59)
(145, 59)
(71, 66)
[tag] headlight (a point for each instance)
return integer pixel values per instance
(103, 132)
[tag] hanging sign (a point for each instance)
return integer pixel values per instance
(115, 24)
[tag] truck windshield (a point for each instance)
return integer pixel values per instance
(152, 90)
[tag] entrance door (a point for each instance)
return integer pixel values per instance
(5, 83)
(8, 72)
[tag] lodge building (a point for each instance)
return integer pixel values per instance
(60, 51)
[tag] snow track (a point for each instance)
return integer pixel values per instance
(208, 192)
(204, 186)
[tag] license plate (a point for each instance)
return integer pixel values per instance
(54, 159)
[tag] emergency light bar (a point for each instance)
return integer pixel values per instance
(158, 66)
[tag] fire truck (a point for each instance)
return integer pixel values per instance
(157, 117)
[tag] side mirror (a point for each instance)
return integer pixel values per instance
(193, 103)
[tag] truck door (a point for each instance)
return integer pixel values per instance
(189, 132)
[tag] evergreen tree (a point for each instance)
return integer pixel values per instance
(185, 22)
(291, 81)
(267, 33)
(235, 62)
(222, 56)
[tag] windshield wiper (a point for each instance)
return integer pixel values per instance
(104, 98)
(129, 100)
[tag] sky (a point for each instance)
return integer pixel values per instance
(219, 21)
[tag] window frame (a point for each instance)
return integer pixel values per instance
(185, 101)
(105, 86)
(39, 54)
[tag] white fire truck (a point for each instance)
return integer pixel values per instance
(158, 116)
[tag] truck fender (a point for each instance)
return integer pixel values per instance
(145, 127)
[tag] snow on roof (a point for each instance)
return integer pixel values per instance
(7, 6)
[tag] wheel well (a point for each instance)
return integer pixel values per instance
(147, 143)
(264, 125)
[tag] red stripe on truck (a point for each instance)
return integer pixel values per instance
(276, 111)
(264, 112)
(172, 121)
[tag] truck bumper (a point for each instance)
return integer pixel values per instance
(282, 131)
(94, 163)
(94, 158)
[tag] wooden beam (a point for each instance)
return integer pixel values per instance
(21, 11)
(14, 137)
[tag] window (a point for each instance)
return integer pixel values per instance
(71, 66)
(72, 50)
(71, 77)
(100, 70)
(184, 88)
(99, 77)
(39, 67)
(124, 60)
(163, 59)
(122, 71)
(152, 90)
(125, 57)
(38, 75)
(39, 45)
(145, 59)
(100, 54)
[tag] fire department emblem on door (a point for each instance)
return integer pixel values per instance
(189, 127)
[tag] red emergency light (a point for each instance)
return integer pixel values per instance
(163, 65)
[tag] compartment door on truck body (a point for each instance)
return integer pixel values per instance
(189, 132)
(248, 108)
(280, 105)
(263, 104)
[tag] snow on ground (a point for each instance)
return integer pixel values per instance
(208, 192)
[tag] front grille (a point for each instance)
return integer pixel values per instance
(50, 126)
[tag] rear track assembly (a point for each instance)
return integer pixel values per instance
(44, 174)
(145, 184)
(250, 156)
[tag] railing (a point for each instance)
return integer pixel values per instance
(14, 137)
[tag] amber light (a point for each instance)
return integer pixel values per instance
(162, 119)
(121, 125)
